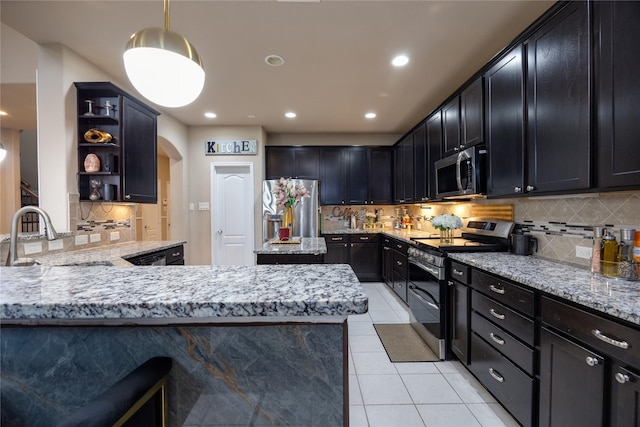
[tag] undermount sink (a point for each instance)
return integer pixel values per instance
(25, 262)
(87, 264)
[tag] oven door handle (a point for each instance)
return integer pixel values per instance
(415, 288)
(431, 270)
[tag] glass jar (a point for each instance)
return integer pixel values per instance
(609, 255)
(596, 251)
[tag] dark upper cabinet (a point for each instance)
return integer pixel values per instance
(128, 161)
(380, 176)
(451, 126)
(472, 114)
(618, 61)
(355, 175)
(420, 164)
(434, 146)
(333, 187)
(559, 102)
(505, 124)
(403, 170)
(294, 162)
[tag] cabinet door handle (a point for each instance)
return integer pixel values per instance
(175, 254)
(496, 375)
(496, 289)
(364, 238)
(399, 262)
(530, 188)
(496, 314)
(517, 189)
(591, 361)
(128, 196)
(496, 339)
(399, 246)
(352, 245)
(620, 344)
(621, 378)
(457, 272)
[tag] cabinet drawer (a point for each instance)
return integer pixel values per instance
(174, 254)
(504, 342)
(615, 339)
(460, 272)
(507, 319)
(364, 238)
(400, 246)
(512, 387)
(506, 292)
(336, 239)
(400, 264)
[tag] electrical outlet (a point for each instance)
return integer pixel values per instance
(583, 252)
(32, 248)
(93, 238)
(114, 235)
(82, 239)
(56, 245)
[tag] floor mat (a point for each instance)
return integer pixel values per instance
(403, 344)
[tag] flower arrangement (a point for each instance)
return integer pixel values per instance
(446, 222)
(370, 215)
(287, 193)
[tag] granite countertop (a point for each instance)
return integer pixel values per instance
(197, 294)
(112, 254)
(616, 297)
(307, 245)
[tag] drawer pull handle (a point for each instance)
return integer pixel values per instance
(364, 238)
(496, 289)
(336, 239)
(620, 344)
(457, 273)
(399, 262)
(496, 376)
(591, 361)
(496, 314)
(622, 378)
(399, 246)
(496, 339)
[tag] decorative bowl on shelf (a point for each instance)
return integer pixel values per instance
(97, 135)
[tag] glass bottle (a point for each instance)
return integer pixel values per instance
(609, 264)
(625, 254)
(596, 251)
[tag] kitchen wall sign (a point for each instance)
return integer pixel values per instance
(233, 146)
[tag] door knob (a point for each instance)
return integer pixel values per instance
(219, 231)
(622, 378)
(530, 188)
(591, 361)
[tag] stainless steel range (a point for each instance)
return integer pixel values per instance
(428, 293)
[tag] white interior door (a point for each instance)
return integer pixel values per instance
(232, 218)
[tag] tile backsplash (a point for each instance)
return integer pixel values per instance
(560, 223)
(94, 223)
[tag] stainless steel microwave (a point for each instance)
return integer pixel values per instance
(462, 175)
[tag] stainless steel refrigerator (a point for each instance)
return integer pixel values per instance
(306, 214)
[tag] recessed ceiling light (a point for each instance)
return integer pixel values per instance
(251, 116)
(400, 61)
(274, 60)
(290, 114)
(370, 115)
(210, 115)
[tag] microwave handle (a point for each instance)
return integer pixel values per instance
(458, 175)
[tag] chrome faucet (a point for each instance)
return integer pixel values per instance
(13, 244)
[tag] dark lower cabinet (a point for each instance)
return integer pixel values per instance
(460, 305)
(571, 383)
(625, 395)
(290, 259)
(360, 251)
(387, 261)
(588, 368)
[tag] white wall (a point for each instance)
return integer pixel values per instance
(198, 249)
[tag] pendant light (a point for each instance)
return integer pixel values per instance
(163, 66)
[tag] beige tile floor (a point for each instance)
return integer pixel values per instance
(386, 394)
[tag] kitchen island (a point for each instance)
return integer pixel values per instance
(251, 345)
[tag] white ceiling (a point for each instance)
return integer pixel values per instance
(337, 53)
